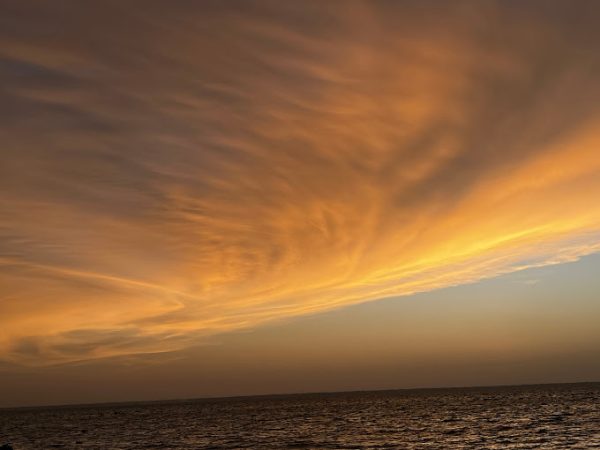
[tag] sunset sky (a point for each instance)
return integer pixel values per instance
(204, 198)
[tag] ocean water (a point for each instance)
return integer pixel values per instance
(525, 417)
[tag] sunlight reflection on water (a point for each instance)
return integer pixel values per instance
(550, 417)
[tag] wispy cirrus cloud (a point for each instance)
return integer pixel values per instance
(172, 171)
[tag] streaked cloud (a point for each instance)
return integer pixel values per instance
(171, 171)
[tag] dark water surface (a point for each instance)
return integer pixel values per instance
(547, 417)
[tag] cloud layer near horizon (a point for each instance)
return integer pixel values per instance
(176, 170)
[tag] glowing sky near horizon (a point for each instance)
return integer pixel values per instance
(170, 171)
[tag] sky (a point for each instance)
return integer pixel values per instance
(225, 198)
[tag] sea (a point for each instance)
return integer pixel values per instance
(565, 416)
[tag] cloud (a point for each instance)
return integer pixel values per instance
(169, 172)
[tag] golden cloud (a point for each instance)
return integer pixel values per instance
(176, 171)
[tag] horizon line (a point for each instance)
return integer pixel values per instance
(288, 394)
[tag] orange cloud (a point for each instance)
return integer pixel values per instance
(173, 173)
